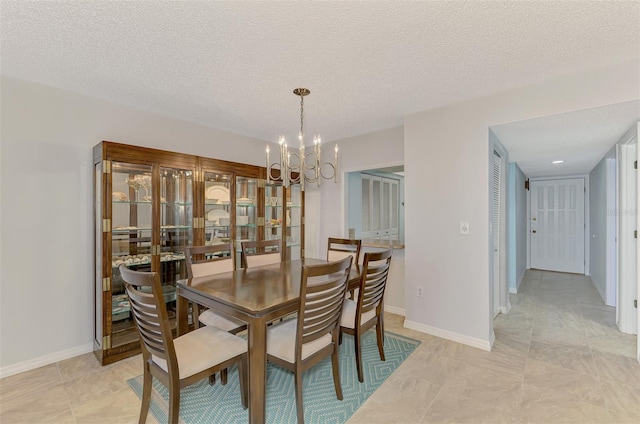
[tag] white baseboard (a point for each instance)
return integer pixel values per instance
(522, 274)
(395, 310)
(505, 309)
(602, 294)
(450, 335)
(51, 358)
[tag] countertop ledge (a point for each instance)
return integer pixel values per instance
(395, 244)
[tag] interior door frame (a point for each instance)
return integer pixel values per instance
(638, 249)
(586, 216)
(627, 222)
(611, 273)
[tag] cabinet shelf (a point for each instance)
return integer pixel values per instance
(149, 202)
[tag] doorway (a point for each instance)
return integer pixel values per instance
(558, 225)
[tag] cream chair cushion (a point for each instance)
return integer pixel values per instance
(281, 341)
(213, 267)
(202, 349)
(210, 317)
(349, 314)
(260, 260)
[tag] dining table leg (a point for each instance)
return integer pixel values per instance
(182, 315)
(257, 339)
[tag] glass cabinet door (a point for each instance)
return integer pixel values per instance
(217, 208)
(131, 232)
(176, 229)
(293, 219)
(273, 214)
(246, 213)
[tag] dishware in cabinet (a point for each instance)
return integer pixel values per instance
(217, 207)
(246, 213)
(294, 222)
(144, 220)
(176, 228)
(273, 212)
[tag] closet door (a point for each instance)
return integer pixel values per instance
(380, 197)
(367, 231)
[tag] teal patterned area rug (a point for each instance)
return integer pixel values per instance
(202, 403)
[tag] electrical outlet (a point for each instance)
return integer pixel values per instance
(419, 291)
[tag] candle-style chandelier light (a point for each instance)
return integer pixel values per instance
(299, 167)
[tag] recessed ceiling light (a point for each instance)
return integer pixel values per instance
(557, 161)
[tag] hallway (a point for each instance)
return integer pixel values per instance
(578, 364)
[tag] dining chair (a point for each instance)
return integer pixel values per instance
(207, 260)
(338, 248)
(258, 253)
(359, 316)
(182, 361)
(299, 344)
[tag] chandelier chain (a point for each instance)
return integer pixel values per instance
(301, 115)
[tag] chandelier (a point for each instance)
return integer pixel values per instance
(301, 167)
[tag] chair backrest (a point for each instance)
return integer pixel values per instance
(322, 291)
(258, 253)
(338, 248)
(207, 260)
(375, 271)
(150, 315)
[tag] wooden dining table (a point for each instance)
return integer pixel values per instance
(256, 296)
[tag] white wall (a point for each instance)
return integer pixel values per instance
(446, 181)
(46, 263)
(598, 227)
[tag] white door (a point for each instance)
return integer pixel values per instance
(495, 227)
(380, 204)
(558, 225)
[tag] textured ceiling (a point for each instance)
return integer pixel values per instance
(579, 138)
(233, 65)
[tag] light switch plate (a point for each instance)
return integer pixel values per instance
(464, 228)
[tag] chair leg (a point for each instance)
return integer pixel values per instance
(298, 384)
(336, 372)
(340, 338)
(212, 379)
(242, 375)
(195, 312)
(174, 401)
(147, 381)
(380, 337)
(223, 376)
(356, 340)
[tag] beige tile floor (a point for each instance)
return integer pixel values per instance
(558, 358)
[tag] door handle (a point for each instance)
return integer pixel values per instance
(534, 231)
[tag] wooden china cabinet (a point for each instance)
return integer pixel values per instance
(150, 204)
